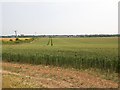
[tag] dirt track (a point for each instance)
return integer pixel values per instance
(55, 77)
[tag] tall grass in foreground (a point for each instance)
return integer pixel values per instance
(102, 63)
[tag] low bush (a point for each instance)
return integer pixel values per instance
(11, 40)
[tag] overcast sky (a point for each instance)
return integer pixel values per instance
(63, 17)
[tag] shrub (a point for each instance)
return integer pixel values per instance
(11, 40)
(17, 39)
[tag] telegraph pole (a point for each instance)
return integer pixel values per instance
(15, 33)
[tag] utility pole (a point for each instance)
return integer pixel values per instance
(15, 33)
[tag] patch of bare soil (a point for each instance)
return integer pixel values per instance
(56, 77)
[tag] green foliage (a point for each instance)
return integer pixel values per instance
(7, 42)
(11, 40)
(17, 39)
(93, 53)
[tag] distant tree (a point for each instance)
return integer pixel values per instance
(22, 35)
(17, 39)
(11, 40)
